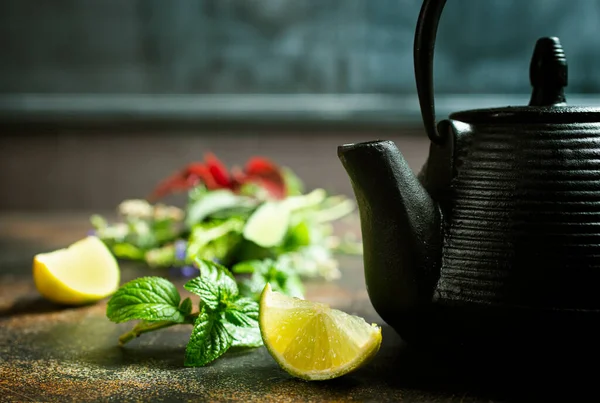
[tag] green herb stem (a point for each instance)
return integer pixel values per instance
(144, 327)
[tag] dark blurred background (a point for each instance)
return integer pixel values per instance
(100, 99)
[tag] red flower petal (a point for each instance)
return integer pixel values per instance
(214, 175)
(206, 177)
(276, 189)
(266, 174)
(218, 170)
(175, 182)
(185, 179)
(259, 165)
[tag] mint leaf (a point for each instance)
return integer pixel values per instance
(212, 270)
(242, 323)
(244, 336)
(146, 298)
(209, 340)
(208, 290)
(243, 313)
(214, 286)
(186, 307)
(218, 274)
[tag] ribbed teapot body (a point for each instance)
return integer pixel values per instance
(522, 224)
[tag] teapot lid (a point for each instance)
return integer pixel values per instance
(548, 77)
(555, 114)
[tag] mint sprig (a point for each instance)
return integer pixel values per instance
(225, 318)
(209, 340)
(146, 298)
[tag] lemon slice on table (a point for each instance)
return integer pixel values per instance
(82, 273)
(312, 341)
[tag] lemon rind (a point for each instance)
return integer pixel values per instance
(66, 294)
(367, 353)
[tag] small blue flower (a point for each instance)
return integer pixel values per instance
(184, 271)
(189, 271)
(91, 232)
(180, 249)
(217, 260)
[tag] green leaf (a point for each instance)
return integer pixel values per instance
(334, 208)
(98, 221)
(293, 184)
(248, 266)
(243, 313)
(309, 200)
(208, 290)
(215, 284)
(211, 202)
(298, 235)
(311, 261)
(209, 340)
(186, 306)
(214, 271)
(268, 225)
(279, 274)
(145, 327)
(244, 336)
(146, 298)
(252, 189)
(215, 240)
(140, 234)
(128, 251)
(248, 250)
(293, 286)
(242, 323)
(161, 257)
(196, 193)
(241, 212)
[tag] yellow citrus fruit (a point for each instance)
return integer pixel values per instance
(312, 341)
(82, 273)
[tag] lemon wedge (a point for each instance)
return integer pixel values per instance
(312, 341)
(82, 273)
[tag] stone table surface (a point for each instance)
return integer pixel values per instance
(51, 353)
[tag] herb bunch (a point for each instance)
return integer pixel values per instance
(224, 318)
(261, 224)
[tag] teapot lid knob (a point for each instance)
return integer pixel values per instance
(548, 73)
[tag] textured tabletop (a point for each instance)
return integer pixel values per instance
(51, 353)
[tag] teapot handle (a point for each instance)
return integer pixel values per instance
(425, 34)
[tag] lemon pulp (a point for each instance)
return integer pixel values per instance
(84, 272)
(312, 341)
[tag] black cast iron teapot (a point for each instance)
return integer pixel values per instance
(498, 236)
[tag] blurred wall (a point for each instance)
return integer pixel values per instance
(93, 93)
(284, 46)
(74, 170)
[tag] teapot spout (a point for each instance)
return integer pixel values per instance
(401, 230)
